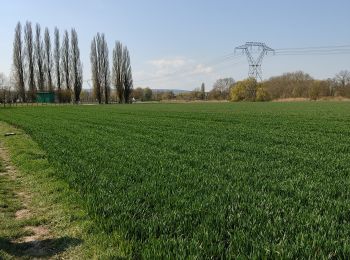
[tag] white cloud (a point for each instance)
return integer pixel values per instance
(178, 66)
(202, 69)
(176, 62)
(174, 72)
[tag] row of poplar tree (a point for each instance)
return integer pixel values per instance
(36, 67)
(121, 70)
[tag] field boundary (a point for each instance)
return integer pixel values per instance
(40, 215)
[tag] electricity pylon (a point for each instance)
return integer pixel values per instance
(255, 61)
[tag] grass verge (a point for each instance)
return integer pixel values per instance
(51, 203)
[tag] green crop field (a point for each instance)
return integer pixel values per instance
(206, 180)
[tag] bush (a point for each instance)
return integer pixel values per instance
(64, 95)
(319, 89)
(262, 94)
(238, 92)
(244, 90)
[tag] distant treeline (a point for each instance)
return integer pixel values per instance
(289, 85)
(292, 85)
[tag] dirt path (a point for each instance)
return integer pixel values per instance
(38, 241)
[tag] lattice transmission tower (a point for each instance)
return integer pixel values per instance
(255, 52)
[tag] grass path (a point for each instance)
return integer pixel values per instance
(39, 215)
(30, 240)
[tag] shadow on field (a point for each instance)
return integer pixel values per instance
(38, 248)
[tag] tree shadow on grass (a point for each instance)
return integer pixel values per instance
(38, 248)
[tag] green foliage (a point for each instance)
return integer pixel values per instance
(142, 94)
(262, 94)
(147, 92)
(237, 93)
(231, 180)
(246, 90)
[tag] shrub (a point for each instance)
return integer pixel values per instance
(244, 90)
(64, 95)
(262, 94)
(319, 89)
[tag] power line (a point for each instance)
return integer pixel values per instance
(315, 47)
(328, 51)
(313, 53)
(320, 50)
(229, 57)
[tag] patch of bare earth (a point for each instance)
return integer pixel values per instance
(308, 99)
(37, 233)
(37, 243)
(23, 214)
(8, 169)
(291, 99)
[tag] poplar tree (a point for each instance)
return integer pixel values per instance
(65, 60)
(100, 68)
(117, 70)
(18, 62)
(48, 60)
(39, 58)
(66, 95)
(57, 59)
(127, 76)
(29, 54)
(76, 66)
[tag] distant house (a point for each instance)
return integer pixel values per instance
(45, 97)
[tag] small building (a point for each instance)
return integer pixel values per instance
(45, 97)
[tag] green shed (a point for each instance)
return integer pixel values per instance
(45, 97)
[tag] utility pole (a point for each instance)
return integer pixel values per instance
(255, 61)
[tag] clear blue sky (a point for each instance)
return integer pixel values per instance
(174, 44)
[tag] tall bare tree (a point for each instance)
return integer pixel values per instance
(203, 91)
(18, 62)
(65, 60)
(100, 68)
(221, 89)
(29, 54)
(117, 70)
(57, 60)
(127, 76)
(48, 60)
(5, 90)
(104, 67)
(76, 66)
(39, 58)
(343, 78)
(2, 80)
(95, 70)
